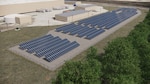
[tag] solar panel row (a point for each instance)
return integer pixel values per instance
(98, 23)
(49, 46)
(80, 31)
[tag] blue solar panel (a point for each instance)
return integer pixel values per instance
(95, 34)
(38, 43)
(61, 51)
(92, 32)
(75, 32)
(53, 42)
(64, 27)
(29, 43)
(44, 44)
(82, 34)
(25, 43)
(71, 29)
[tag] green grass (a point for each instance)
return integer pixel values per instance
(15, 69)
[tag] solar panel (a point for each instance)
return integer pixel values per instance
(95, 34)
(44, 44)
(75, 32)
(52, 50)
(64, 27)
(29, 43)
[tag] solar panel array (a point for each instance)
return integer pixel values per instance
(92, 27)
(80, 31)
(48, 46)
(110, 19)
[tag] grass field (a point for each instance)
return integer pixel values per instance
(14, 69)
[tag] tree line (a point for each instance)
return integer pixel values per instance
(126, 61)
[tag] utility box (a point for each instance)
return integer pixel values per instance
(24, 19)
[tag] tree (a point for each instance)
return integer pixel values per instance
(85, 72)
(144, 53)
(121, 63)
(140, 38)
(148, 38)
(92, 53)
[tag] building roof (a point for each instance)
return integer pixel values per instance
(15, 15)
(84, 6)
(7, 2)
(134, 0)
(71, 13)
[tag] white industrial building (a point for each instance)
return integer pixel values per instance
(80, 12)
(18, 19)
(73, 15)
(23, 6)
(41, 12)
